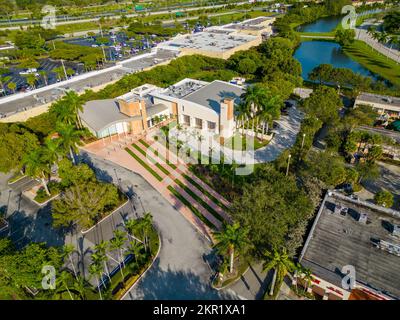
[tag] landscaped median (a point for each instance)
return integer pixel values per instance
(137, 271)
(222, 281)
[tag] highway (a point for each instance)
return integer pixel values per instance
(76, 20)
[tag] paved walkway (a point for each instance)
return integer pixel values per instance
(362, 34)
(114, 150)
(285, 136)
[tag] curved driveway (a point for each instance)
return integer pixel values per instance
(180, 271)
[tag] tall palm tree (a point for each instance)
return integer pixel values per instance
(305, 274)
(132, 226)
(63, 112)
(68, 249)
(70, 138)
(75, 103)
(62, 281)
(101, 251)
(232, 237)
(117, 243)
(146, 224)
(242, 113)
(36, 167)
(280, 262)
(52, 150)
(96, 271)
(135, 248)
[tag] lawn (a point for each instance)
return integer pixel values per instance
(374, 61)
(144, 164)
(239, 142)
(190, 206)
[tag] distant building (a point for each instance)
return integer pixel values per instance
(350, 234)
(222, 41)
(383, 104)
(198, 104)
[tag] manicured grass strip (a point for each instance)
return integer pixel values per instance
(159, 166)
(199, 200)
(144, 164)
(190, 206)
(160, 156)
(374, 61)
(209, 195)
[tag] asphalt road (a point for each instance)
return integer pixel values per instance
(181, 270)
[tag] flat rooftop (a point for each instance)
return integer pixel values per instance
(375, 98)
(213, 93)
(339, 240)
(209, 41)
(184, 88)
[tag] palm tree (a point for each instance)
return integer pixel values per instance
(63, 113)
(132, 226)
(117, 243)
(96, 270)
(99, 257)
(280, 262)
(135, 248)
(242, 113)
(145, 224)
(62, 280)
(305, 274)
(80, 287)
(68, 249)
(70, 138)
(4, 79)
(101, 252)
(232, 237)
(44, 76)
(12, 86)
(31, 80)
(36, 167)
(75, 103)
(52, 150)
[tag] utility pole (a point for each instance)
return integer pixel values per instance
(288, 164)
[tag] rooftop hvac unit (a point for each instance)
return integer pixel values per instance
(362, 218)
(396, 230)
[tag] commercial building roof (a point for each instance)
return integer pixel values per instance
(338, 240)
(212, 94)
(100, 114)
(209, 41)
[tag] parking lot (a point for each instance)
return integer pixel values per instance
(94, 79)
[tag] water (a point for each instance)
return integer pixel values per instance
(327, 24)
(313, 53)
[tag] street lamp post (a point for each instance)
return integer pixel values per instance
(302, 142)
(288, 164)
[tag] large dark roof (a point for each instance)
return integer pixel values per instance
(338, 241)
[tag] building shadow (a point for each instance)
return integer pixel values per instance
(170, 284)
